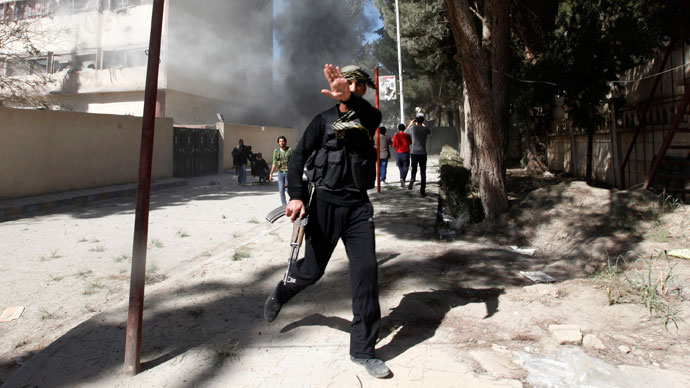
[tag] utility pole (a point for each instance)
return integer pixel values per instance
(137, 281)
(397, 31)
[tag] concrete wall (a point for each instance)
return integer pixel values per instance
(186, 108)
(121, 103)
(262, 139)
(45, 151)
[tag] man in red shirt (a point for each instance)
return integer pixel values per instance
(401, 143)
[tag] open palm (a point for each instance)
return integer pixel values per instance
(340, 87)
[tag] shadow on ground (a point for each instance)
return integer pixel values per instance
(414, 320)
(404, 213)
(230, 313)
(569, 220)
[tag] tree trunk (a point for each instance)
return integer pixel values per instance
(498, 14)
(467, 145)
(590, 146)
(476, 70)
(459, 126)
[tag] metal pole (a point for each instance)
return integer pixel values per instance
(378, 135)
(136, 289)
(397, 31)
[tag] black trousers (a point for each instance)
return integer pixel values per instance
(421, 161)
(355, 226)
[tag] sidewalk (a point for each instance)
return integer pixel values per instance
(28, 206)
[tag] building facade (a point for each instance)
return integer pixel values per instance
(216, 56)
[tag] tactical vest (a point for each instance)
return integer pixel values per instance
(342, 164)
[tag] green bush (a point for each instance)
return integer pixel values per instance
(456, 186)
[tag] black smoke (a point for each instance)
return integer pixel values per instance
(311, 33)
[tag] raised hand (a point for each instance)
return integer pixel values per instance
(340, 87)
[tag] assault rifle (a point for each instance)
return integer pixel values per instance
(297, 235)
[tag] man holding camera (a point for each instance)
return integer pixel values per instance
(419, 132)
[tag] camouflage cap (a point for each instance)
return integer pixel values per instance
(354, 72)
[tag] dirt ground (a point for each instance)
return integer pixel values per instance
(455, 313)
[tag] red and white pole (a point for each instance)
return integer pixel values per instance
(378, 136)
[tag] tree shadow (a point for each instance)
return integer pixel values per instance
(582, 232)
(413, 217)
(226, 312)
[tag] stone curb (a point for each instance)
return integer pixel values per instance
(24, 207)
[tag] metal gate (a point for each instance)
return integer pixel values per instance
(195, 151)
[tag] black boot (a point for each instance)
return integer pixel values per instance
(272, 306)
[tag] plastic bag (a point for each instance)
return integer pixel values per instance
(570, 367)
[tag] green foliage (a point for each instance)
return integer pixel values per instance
(591, 43)
(667, 203)
(431, 77)
(456, 186)
(657, 288)
(653, 284)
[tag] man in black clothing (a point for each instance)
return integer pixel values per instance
(337, 149)
(240, 154)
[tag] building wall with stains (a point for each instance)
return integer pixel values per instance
(47, 151)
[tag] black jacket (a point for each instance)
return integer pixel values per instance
(312, 139)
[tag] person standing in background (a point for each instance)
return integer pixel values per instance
(384, 152)
(401, 143)
(281, 158)
(240, 154)
(419, 132)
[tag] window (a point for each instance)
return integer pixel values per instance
(122, 5)
(61, 62)
(124, 58)
(86, 61)
(26, 67)
(83, 5)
